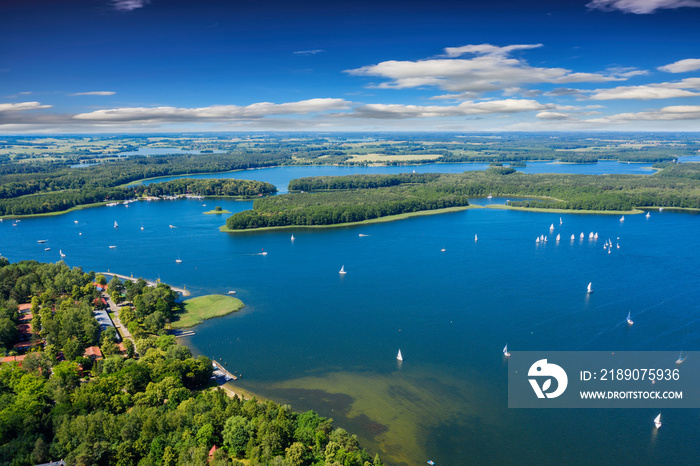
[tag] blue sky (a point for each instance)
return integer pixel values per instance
(121, 66)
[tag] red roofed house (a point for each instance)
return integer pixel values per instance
(211, 453)
(17, 359)
(23, 308)
(93, 352)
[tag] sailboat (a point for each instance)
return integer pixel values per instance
(560, 222)
(75, 221)
(573, 236)
(263, 253)
(581, 235)
(112, 247)
(680, 359)
(178, 260)
(476, 238)
(505, 351)
(590, 235)
(142, 227)
(558, 237)
(442, 250)
(292, 238)
(551, 227)
(622, 219)
(648, 215)
(629, 318)
(61, 253)
(342, 270)
(398, 356)
(590, 288)
(116, 225)
(657, 421)
(537, 240)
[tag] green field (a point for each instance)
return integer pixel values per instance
(197, 310)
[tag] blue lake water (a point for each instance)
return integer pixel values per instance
(318, 340)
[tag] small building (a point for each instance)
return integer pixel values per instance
(17, 359)
(211, 453)
(93, 352)
(24, 308)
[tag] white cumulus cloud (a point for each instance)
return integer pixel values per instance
(683, 88)
(213, 113)
(489, 68)
(22, 106)
(681, 66)
(394, 111)
(640, 7)
(129, 5)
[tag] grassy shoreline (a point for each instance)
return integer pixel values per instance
(201, 308)
(389, 218)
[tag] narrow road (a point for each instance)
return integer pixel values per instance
(115, 318)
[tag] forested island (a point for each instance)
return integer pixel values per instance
(71, 390)
(346, 199)
(40, 175)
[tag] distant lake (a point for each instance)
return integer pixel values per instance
(280, 176)
(319, 340)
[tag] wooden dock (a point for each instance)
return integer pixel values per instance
(182, 291)
(220, 368)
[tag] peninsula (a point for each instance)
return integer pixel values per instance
(355, 198)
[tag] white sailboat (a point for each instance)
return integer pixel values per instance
(178, 260)
(398, 356)
(573, 237)
(680, 359)
(116, 225)
(293, 238)
(629, 318)
(581, 235)
(560, 222)
(551, 227)
(590, 288)
(263, 253)
(590, 235)
(75, 221)
(505, 351)
(476, 238)
(537, 240)
(112, 247)
(657, 421)
(558, 238)
(442, 250)
(622, 219)
(342, 270)
(61, 253)
(142, 227)
(648, 215)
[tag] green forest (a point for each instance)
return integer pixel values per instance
(66, 199)
(151, 403)
(334, 200)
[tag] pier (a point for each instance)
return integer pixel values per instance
(223, 372)
(183, 291)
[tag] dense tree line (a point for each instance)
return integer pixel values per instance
(356, 198)
(159, 409)
(207, 187)
(319, 183)
(63, 200)
(329, 208)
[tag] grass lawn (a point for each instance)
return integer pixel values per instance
(197, 310)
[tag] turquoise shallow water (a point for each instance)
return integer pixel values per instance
(322, 341)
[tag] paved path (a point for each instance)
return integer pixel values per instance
(117, 323)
